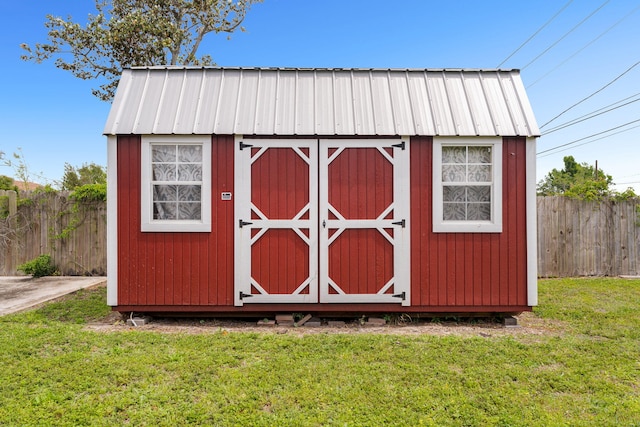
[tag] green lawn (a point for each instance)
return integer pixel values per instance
(55, 371)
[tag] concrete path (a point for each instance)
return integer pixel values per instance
(21, 292)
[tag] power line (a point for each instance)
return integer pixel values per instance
(598, 110)
(536, 33)
(584, 47)
(629, 176)
(593, 94)
(587, 117)
(625, 183)
(589, 142)
(566, 34)
(591, 136)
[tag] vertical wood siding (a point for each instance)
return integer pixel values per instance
(280, 190)
(477, 270)
(174, 268)
(360, 187)
(449, 271)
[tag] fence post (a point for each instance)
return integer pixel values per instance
(13, 202)
(13, 223)
(8, 266)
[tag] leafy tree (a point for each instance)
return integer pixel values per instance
(127, 33)
(84, 175)
(580, 181)
(6, 183)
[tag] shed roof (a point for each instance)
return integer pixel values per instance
(295, 101)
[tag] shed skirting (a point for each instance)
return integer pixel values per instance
(327, 309)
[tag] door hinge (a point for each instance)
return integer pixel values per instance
(403, 223)
(243, 223)
(401, 295)
(400, 146)
(243, 295)
(243, 145)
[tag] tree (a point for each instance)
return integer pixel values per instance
(86, 174)
(3, 160)
(6, 183)
(127, 33)
(19, 165)
(578, 180)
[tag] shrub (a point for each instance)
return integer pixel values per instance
(4, 206)
(90, 193)
(39, 267)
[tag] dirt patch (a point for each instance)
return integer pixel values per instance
(528, 325)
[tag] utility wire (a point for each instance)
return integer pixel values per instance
(629, 176)
(595, 111)
(536, 33)
(589, 142)
(584, 47)
(625, 183)
(593, 94)
(566, 34)
(590, 136)
(587, 117)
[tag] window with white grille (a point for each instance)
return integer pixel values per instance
(176, 183)
(467, 185)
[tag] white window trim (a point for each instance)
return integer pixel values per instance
(492, 226)
(148, 224)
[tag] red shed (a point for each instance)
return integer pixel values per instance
(265, 190)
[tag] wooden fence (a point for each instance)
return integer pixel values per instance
(575, 238)
(74, 234)
(581, 238)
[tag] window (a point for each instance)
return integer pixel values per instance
(467, 185)
(176, 183)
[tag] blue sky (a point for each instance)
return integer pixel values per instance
(54, 118)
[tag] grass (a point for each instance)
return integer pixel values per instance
(55, 372)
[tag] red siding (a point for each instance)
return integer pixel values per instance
(450, 272)
(469, 271)
(174, 269)
(360, 187)
(280, 190)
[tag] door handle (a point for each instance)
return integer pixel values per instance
(324, 224)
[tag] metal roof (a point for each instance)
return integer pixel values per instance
(294, 101)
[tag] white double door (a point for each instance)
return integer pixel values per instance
(321, 221)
